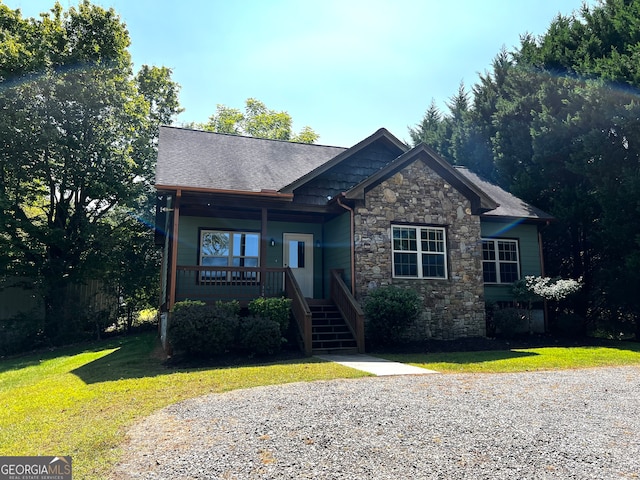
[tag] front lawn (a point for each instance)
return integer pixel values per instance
(524, 359)
(79, 401)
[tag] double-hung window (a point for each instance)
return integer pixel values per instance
(228, 249)
(500, 260)
(419, 252)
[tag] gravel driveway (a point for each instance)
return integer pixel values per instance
(579, 424)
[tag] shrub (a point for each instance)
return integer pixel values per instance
(273, 308)
(510, 321)
(231, 308)
(569, 324)
(389, 312)
(20, 333)
(198, 329)
(530, 288)
(261, 335)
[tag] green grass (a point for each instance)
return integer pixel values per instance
(523, 360)
(80, 401)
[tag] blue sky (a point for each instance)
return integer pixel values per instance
(343, 67)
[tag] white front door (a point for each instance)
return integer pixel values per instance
(298, 255)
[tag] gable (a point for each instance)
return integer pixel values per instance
(345, 174)
(479, 200)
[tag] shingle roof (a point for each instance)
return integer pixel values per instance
(508, 205)
(197, 159)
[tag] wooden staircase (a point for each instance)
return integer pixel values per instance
(330, 332)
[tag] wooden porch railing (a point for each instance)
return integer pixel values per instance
(349, 308)
(300, 309)
(210, 284)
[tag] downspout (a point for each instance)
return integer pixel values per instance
(352, 243)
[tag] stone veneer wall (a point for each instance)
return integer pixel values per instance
(454, 307)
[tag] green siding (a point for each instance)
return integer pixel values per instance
(337, 251)
(527, 236)
(189, 234)
(189, 239)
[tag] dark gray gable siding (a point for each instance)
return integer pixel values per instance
(346, 174)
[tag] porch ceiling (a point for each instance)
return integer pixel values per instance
(250, 208)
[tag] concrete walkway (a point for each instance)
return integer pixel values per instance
(377, 366)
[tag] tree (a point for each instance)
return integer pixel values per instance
(257, 121)
(430, 130)
(77, 148)
(556, 122)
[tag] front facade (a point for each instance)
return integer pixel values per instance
(242, 217)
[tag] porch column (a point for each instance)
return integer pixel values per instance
(173, 275)
(263, 250)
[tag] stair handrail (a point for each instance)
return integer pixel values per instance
(300, 309)
(349, 307)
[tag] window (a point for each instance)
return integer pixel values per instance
(500, 261)
(419, 252)
(228, 249)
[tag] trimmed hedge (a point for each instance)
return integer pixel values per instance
(261, 336)
(273, 308)
(201, 330)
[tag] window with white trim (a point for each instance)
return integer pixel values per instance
(419, 252)
(500, 260)
(228, 249)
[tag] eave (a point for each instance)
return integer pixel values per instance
(266, 194)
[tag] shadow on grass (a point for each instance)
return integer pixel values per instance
(139, 356)
(477, 344)
(142, 357)
(463, 358)
(37, 357)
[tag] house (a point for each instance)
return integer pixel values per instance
(241, 217)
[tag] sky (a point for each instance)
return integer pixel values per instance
(343, 67)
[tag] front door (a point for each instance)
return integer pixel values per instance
(298, 255)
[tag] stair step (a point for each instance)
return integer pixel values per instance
(330, 333)
(332, 336)
(329, 327)
(343, 342)
(333, 318)
(338, 351)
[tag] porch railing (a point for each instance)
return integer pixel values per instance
(349, 308)
(300, 309)
(210, 284)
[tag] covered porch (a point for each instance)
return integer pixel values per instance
(250, 246)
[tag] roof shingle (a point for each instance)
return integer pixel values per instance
(508, 205)
(198, 159)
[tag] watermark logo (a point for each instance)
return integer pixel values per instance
(35, 468)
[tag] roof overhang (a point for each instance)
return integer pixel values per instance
(265, 194)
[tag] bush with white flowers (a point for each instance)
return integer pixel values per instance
(546, 288)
